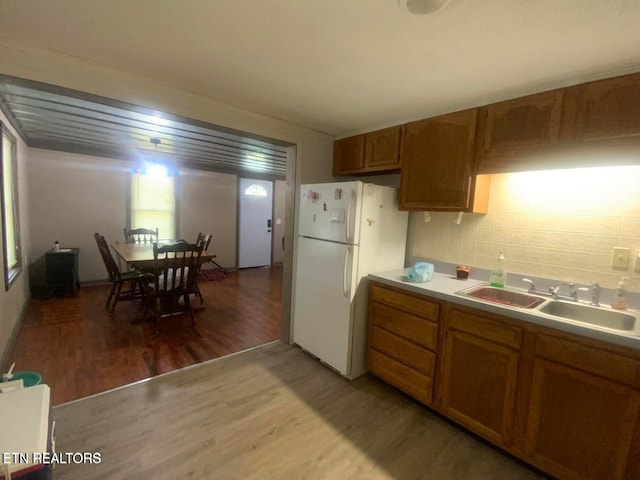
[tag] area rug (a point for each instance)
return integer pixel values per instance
(213, 274)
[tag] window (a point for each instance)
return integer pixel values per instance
(12, 250)
(256, 190)
(153, 202)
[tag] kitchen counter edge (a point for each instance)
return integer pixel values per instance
(444, 287)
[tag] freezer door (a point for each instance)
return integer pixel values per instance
(330, 211)
(323, 308)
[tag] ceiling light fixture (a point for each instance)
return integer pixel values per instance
(422, 7)
(155, 141)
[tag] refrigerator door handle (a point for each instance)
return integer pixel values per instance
(347, 224)
(345, 287)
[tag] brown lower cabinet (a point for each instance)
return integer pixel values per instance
(403, 335)
(479, 365)
(569, 405)
(583, 412)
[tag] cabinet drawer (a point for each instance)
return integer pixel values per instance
(406, 325)
(412, 383)
(418, 306)
(406, 352)
(492, 330)
(615, 367)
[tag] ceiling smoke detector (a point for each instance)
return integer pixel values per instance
(422, 7)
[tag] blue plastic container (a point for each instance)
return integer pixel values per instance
(421, 272)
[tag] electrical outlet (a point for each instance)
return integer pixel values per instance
(620, 258)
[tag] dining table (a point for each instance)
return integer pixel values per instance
(140, 255)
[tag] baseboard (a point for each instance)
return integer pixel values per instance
(93, 283)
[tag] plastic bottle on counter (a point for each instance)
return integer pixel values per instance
(620, 298)
(498, 276)
(56, 246)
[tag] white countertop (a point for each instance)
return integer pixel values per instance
(444, 287)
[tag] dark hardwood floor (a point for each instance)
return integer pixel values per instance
(80, 349)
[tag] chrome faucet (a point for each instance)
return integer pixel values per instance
(595, 294)
(532, 288)
(573, 291)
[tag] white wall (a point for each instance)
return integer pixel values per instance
(72, 197)
(13, 302)
(208, 204)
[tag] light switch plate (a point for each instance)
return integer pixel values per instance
(620, 258)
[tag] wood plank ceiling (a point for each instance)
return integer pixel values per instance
(56, 118)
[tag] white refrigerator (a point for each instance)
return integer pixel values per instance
(346, 230)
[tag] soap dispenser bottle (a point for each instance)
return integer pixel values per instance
(498, 276)
(620, 298)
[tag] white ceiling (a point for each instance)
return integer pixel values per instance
(340, 66)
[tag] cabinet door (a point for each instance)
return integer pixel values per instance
(437, 163)
(605, 110)
(382, 149)
(479, 385)
(348, 155)
(508, 131)
(580, 425)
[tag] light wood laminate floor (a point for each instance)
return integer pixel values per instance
(272, 412)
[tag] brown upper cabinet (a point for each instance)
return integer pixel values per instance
(348, 155)
(508, 131)
(437, 164)
(373, 152)
(443, 158)
(578, 126)
(605, 110)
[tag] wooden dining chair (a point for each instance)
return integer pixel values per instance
(141, 235)
(205, 240)
(175, 270)
(212, 261)
(131, 281)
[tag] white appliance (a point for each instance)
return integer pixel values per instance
(345, 231)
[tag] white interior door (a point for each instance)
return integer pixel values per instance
(256, 206)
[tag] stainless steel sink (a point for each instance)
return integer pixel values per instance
(503, 296)
(591, 315)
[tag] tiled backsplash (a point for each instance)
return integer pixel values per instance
(558, 225)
